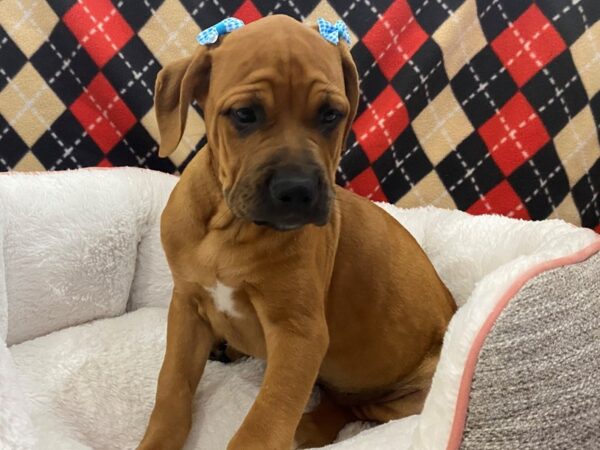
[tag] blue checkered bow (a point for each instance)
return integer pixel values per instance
(211, 34)
(333, 32)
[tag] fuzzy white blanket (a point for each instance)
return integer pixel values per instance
(83, 293)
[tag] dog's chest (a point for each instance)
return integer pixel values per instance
(222, 299)
(233, 318)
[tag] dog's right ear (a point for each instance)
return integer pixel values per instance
(176, 86)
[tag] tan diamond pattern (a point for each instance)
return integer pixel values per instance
(29, 105)
(441, 126)
(27, 22)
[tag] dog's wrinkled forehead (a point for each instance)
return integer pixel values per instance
(277, 48)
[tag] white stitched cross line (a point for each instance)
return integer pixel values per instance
(350, 8)
(173, 35)
(4, 131)
(566, 9)
(295, 8)
(23, 110)
(278, 6)
(439, 123)
(591, 202)
(221, 9)
(559, 92)
(445, 7)
(487, 9)
(27, 13)
(162, 24)
(466, 31)
(3, 41)
(399, 106)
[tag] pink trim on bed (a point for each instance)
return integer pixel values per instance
(462, 402)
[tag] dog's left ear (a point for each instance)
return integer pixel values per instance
(176, 86)
(350, 86)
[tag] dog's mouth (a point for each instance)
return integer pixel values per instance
(279, 226)
(290, 225)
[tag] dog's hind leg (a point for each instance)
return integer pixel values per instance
(398, 408)
(407, 400)
(322, 425)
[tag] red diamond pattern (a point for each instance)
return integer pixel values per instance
(395, 38)
(366, 184)
(103, 114)
(379, 126)
(514, 134)
(247, 12)
(528, 45)
(105, 163)
(99, 28)
(500, 200)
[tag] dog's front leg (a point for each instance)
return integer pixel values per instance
(297, 340)
(189, 340)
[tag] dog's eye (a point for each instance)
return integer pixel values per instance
(244, 116)
(329, 116)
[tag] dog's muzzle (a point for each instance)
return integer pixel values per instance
(293, 197)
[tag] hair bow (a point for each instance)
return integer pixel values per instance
(333, 32)
(211, 34)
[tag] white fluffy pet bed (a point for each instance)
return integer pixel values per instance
(84, 289)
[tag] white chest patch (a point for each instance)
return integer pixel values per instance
(223, 299)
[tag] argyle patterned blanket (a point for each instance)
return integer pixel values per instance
(489, 106)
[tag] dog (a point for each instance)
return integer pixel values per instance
(269, 255)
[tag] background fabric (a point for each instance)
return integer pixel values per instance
(486, 106)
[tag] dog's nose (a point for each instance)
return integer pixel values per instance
(293, 189)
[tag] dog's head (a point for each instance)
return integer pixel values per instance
(278, 102)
